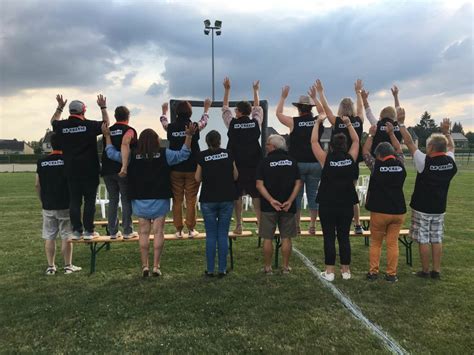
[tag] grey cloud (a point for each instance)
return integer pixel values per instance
(459, 49)
(128, 78)
(155, 89)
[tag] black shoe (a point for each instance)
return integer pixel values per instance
(372, 277)
(435, 275)
(358, 229)
(145, 271)
(422, 274)
(391, 278)
(222, 274)
(208, 274)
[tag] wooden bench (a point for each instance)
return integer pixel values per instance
(98, 243)
(104, 223)
(404, 233)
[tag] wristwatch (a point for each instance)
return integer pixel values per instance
(401, 125)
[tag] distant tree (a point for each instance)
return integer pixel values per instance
(470, 138)
(457, 128)
(37, 147)
(425, 128)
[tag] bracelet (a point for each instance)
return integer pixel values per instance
(103, 107)
(59, 109)
(401, 125)
(370, 136)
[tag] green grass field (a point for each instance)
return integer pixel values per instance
(116, 311)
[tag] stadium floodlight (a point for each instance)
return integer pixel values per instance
(208, 28)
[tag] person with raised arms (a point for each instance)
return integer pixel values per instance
(435, 170)
(184, 185)
(385, 201)
(78, 139)
(149, 187)
(217, 171)
(278, 181)
(356, 117)
(336, 195)
(244, 131)
(301, 128)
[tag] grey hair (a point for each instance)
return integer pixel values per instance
(438, 142)
(277, 141)
(384, 149)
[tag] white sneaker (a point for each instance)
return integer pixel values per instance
(115, 236)
(346, 275)
(179, 234)
(90, 236)
(193, 233)
(131, 235)
(69, 269)
(328, 276)
(76, 236)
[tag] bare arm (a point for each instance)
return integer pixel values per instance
(360, 106)
(102, 102)
(202, 123)
(287, 204)
(318, 151)
(266, 195)
(59, 109)
(312, 93)
(235, 172)
(284, 119)
(163, 118)
(125, 151)
(393, 139)
(446, 130)
(354, 148)
(225, 102)
(198, 175)
(370, 139)
(324, 102)
(404, 131)
(395, 91)
(256, 88)
(38, 186)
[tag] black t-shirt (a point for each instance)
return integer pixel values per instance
(218, 183)
(381, 134)
(337, 181)
(432, 185)
(79, 144)
(357, 124)
(385, 193)
(279, 173)
(53, 183)
(176, 134)
(244, 136)
(117, 132)
(300, 138)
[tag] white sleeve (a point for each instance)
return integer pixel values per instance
(419, 160)
(370, 116)
(450, 154)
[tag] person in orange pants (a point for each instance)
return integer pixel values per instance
(385, 201)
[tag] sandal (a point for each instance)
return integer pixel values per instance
(286, 270)
(51, 270)
(156, 272)
(312, 230)
(145, 271)
(267, 271)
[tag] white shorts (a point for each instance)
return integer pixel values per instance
(54, 222)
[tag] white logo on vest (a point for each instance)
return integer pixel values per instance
(216, 157)
(117, 132)
(285, 162)
(52, 163)
(384, 128)
(391, 169)
(78, 129)
(179, 134)
(340, 163)
(355, 125)
(244, 125)
(141, 156)
(449, 166)
(306, 124)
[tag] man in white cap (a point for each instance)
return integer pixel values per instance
(78, 138)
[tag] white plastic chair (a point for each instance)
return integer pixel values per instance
(102, 199)
(362, 188)
(305, 201)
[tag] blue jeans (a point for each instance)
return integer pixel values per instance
(217, 216)
(310, 175)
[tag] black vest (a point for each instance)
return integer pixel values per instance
(149, 177)
(54, 188)
(117, 131)
(244, 136)
(300, 138)
(432, 185)
(217, 176)
(382, 136)
(357, 124)
(337, 181)
(385, 194)
(176, 137)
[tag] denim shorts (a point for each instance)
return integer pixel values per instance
(150, 209)
(310, 175)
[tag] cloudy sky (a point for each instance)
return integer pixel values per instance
(142, 53)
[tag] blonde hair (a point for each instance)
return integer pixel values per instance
(277, 141)
(346, 107)
(388, 112)
(438, 142)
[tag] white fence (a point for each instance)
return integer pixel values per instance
(15, 168)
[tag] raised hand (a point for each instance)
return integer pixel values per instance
(276, 205)
(319, 86)
(164, 108)
(61, 101)
(101, 101)
(373, 130)
(284, 91)
(358, 86)
(446, 126)
(226, 83)
(364, 94)
(312, 92)
(389, 127)
(401, 115)
(256, 85)
(207, 104)
(394, 90)
(346, 120)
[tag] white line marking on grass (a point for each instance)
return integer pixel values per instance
(386, 339)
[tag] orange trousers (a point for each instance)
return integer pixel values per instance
(384, 226)
(184, 185)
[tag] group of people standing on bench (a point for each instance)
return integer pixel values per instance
(146, 176)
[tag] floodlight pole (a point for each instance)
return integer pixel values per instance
(208, 28)
(212, 36)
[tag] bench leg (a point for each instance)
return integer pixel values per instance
(277, 247)
(259, 242)
(231, 253)
(408, 251)
(93, 247)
